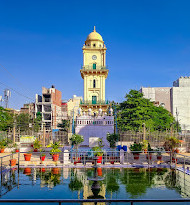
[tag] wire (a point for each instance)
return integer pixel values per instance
(16, 91)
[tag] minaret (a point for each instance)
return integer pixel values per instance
(94, 72)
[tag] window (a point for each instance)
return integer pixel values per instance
(94, 83)
(94, 65)
(94, 45)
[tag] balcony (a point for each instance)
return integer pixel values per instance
(91, 67)
(90, 102)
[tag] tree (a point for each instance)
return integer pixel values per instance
(6, 119)
(64, 125)
(22, 121)
(136, 110)
(112, 139)
(76, 140)
(37, 121)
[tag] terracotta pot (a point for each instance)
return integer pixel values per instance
(55, 170)
(149, 156)
(77, 160)
(42, 158)
(99, 170)
(55, 157)
(17, 150)
(27, 171)
(159, 157)
(2, 151)
(35, 150)
(99, 159)
(27, 157)
(177, 150)
(136, 156)
(174, 159)
(145, 151)
(13, 162)
(43, 169)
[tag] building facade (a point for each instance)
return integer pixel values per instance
(92, 120)
(49, 104)
(94, 72)
(175, 99)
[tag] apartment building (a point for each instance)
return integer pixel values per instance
(50, 105)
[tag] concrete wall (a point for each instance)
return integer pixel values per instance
(160, 95)
(88, 126)
(181, 102)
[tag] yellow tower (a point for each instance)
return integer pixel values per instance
(94, 72)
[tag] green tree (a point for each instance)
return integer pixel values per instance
(37, 121)
(137, 110)
(6, 119)
(22, 121)
(64, 125)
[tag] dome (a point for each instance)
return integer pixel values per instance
(94, 36)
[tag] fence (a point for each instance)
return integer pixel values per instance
(156, 139)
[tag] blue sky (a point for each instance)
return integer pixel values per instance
(148, 44)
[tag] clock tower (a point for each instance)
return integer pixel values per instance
(94, 72)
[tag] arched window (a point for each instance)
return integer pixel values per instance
(94, 83)
(94, 45)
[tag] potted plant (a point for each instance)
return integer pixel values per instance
(136, 149)
(12, 162)
(112, 139)
(55, 150)
(159, 153)
(150, 151)
(76, 140)
(98, 152)
(27, 156)
(3, 144)
(170, 144)
(37, 145)
(42, 155)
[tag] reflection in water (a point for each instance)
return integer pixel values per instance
(96, 183)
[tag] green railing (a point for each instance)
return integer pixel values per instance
(90, 102)
(90, 67)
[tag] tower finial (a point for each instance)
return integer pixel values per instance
(94, 28)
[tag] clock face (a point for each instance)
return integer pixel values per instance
(94, 57)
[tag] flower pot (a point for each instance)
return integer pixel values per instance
(174, 160)
(77, 160)
(177, 150)
(13, 162)
(55, 157)
(99, 159)
(27, 171)
(42, 158)
(43, 169)
(99, 170)
(36, 150)
(149, 156)
(2, 151)
(55, 170)
(136, 156)
(17, 150)
(125, 148)
(159, 157)
(27, 157)
(145, 151)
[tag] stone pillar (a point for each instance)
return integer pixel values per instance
(122, 156)
(66, 157)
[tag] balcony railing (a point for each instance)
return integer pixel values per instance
(90, 67)
(90, 102)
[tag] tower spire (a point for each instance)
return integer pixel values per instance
(94, 28)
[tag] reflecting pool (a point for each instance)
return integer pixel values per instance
(112, 183)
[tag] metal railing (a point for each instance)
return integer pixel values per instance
(95, 201)
(88, 67)
(98, 102)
